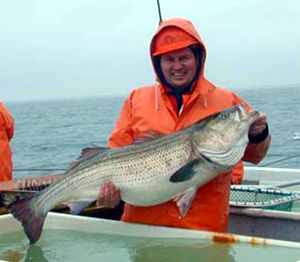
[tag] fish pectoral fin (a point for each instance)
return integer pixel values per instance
(186, 172)
(184, 200)
(77, 206)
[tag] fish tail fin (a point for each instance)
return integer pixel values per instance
(26, 211)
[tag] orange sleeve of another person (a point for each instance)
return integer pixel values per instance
(6, 134)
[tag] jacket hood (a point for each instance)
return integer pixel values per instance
(187, 27)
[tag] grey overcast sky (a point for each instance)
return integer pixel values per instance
(76, 48)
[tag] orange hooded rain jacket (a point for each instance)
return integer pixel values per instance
(6, 133)
(150, 109)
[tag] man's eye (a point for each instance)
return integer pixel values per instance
(185, 58)
(168, 60)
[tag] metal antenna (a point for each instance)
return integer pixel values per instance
(159, 12)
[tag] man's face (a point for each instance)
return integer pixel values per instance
(179, 67)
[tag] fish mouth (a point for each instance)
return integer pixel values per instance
(243, 114)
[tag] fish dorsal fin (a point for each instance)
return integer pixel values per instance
(90, 151)
(186, 172)
(151, 135)
(86, 153)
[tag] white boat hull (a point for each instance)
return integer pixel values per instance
(104, 226)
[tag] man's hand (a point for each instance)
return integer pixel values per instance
(258, 126)
(109, 195)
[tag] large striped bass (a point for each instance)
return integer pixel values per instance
(148, 173)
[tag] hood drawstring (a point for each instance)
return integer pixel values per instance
(156, 96)
(205, 96)
(205, 101)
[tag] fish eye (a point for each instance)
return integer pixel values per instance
(225, 116)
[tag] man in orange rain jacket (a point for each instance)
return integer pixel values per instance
(6, 133)
(182, 96)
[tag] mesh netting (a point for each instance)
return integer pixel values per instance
(262, 198)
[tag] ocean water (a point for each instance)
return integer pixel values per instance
(51, 134)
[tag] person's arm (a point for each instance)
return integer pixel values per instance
(6, 121)
(6, 134)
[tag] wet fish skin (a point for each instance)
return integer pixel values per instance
(146, 173)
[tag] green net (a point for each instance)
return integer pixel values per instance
(266, 198)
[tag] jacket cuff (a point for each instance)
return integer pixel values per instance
(260, 137)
